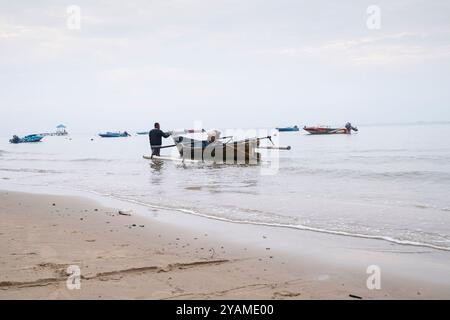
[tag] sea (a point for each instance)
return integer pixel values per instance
(387, 182)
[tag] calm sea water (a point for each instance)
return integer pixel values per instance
(387, 182)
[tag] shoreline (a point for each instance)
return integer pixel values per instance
(158, 254)
(141, 208)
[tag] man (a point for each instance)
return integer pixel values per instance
(155, 136)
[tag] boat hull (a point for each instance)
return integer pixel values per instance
(27, 139)
(288, 129)
(324, 130)
(113, 135)
(239, 152)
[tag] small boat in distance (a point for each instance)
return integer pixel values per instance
(114, 134)
(27, 139)
(141, 133)
(327, 130)
(288, 129)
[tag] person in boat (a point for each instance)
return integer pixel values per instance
(155, 136)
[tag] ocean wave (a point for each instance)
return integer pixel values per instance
(379, 150)
(90, 160)
(28, 159)
(62, 160)
(437, 176)
(435, 159)
(283, 225)
(422, 206)
(321, 230)
(424, 176)
(29, 170)
(391, 150)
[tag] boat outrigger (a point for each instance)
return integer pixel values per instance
(202, 146)
(327, 130)
(27, 139)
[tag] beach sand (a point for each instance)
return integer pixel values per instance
(167, 255)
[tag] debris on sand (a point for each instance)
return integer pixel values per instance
(125, 213)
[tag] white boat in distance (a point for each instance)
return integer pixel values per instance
(202, 146)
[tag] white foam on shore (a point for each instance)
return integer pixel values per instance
(279, 225)
(99, 196)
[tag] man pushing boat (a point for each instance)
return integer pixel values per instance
(155, 135)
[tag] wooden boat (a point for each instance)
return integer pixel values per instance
(288, 129)
(27, 139)
(325, 130)
(114, 134)
(202, 146)
(328, 130)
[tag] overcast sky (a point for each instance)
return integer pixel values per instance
(227, 63)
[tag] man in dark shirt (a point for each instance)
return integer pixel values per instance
(155, 136)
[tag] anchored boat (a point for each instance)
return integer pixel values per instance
(327, 130)
(114, 134)
(287, 129)
(27, 139)
(202, 146)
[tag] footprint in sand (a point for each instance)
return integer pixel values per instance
(285, 294)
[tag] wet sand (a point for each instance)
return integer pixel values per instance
(165, 255)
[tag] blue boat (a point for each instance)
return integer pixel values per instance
(27, 139)
(287, 129)
(141, 133)
(114, 134)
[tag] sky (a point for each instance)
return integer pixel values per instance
(225, 63)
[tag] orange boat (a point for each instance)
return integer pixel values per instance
(327, 130)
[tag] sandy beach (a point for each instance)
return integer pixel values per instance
(155, 257)
(223, 150)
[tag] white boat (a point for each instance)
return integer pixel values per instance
(202, 146)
